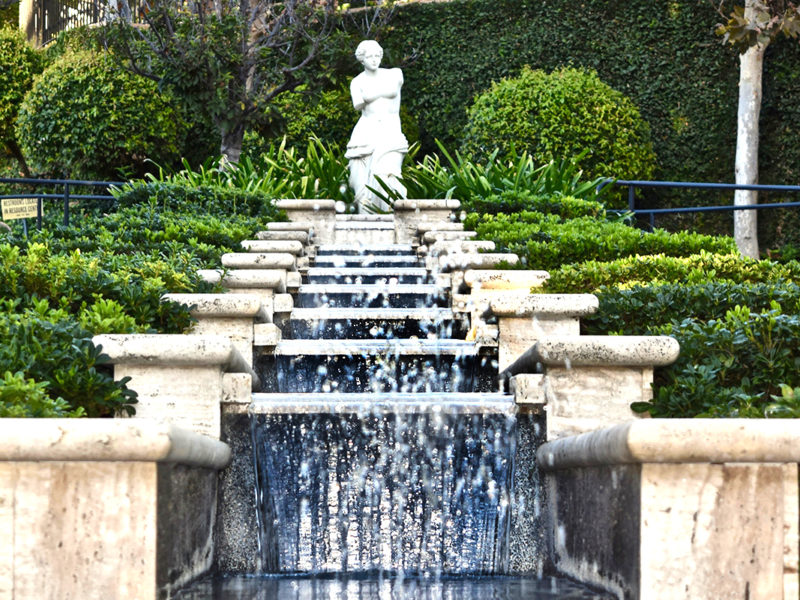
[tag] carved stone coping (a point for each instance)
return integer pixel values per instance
(677, 441)
(434, 236)
(139, 440)
(503, 281)
(294, 247)
(273, 279)
(304, 226)
(426, 205)
(306, 205)
(444, 247)
(222, 305)
(597, 351)
(292, 235)
(259, 260)
(547, 305)
(425, 227)
(463, 262)
(152, 349)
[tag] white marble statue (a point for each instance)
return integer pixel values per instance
(377, 145)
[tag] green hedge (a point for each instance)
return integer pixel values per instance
(662, 55)
(570, 248)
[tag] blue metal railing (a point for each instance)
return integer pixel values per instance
(652, 212)
(66, 196)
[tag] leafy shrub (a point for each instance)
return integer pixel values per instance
(516, 201)
(645, 270)
(641, 309)
(737, 366)
(546, 241)
(88, 119)
(567, 113)
(45, 352)
(19, 64)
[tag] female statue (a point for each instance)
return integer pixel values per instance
(377, 145)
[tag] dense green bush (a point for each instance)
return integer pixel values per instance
(19, 64)
(88, 119)
(546, 241)
(517, 201)
(740, 365)
(52, 358)
(566, 113)
(699, 268)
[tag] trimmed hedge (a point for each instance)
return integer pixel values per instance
(568, 112)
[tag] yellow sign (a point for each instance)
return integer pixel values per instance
(19, 208)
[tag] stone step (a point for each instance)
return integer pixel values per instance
(373, 323)
(389, 402)
(371, 295)
(359, 249)
(356, 218)
(393, 347)
(368, 260)
(365, 225)
(359, 275)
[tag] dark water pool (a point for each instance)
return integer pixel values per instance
(375, 588)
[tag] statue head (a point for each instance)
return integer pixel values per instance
(366, 48)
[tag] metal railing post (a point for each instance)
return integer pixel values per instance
(631, 198)
(66, 204)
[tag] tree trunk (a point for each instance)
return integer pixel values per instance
(231, 147)
(16, 152)
(745, 222)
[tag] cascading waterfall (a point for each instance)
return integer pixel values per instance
(416, 488)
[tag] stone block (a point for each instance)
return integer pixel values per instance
(525, 319)
(259, 260)
(95, 508)
(437, 236)
(232, 315)
(294, 247)
(267, 334)
(237, 391)
(409, 214)
(291, 235)
(465, 261)
(320, 214)
(494, 282)
(591, 381)
(178, 378)
(693, 508)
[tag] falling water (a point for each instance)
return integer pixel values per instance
(413, 488)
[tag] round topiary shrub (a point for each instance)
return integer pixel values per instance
(19, 64)
(562, 115)
(86, 118)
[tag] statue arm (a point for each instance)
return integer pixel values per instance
(358, 97)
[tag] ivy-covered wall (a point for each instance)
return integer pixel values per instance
(663, 54)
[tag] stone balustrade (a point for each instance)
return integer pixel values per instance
(677, 508)
(179, 379)
(586, 382)
(410, 214)
(95, 508)
(522, 320)
(319, 215)
(232, 315)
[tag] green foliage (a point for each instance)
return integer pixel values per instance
(663, 56)
(55, 360)
(473, 182)
(516, 201)
(567, 113)
(654, 269)
(328, 115)
(637, 310)
(19, 64)
(568, 246)
(709, 379)
(87, 118)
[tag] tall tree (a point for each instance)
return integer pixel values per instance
(751, 28)
(228, 58)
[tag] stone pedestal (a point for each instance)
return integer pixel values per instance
(179, 378)
(677, 508)
(104, 508)
(319, 215)
(590, 381)
(409, 214)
